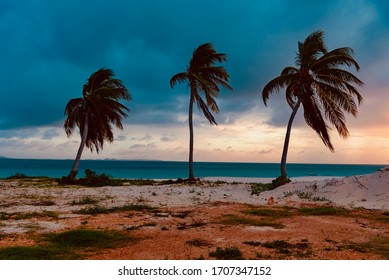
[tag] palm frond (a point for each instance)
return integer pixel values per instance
(205, 55)
(334, 113)
(276, 84)
(336, 58)
(96, 79)
(211, 103)
(204, 108)
(116, 88)
(291, 96)
(217, 74)
(73, 111)
(314, 118)
(290, 70)
(338, 96)
(337, 75)
(310, 49)
(178, 78)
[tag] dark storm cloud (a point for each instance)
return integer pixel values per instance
(49, 49)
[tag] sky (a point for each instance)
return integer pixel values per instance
(50, 48)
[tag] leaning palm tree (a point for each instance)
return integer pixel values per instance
(322, 86)
(95, 112)
(203, 76)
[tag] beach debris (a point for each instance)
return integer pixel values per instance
(198, 242)
(133, 228)
(270, 200)
(359, 183)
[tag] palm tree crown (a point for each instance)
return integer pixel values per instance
(95, 112)
(321, 84)
(100, 103)
(203, 76)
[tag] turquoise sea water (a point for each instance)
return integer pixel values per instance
(174, 169)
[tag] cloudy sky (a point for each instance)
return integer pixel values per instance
(49, 49)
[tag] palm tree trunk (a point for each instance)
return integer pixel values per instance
(287, 137)
(74, 170)
(191, 174)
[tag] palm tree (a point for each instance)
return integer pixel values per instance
(203, 76)
(323, 87)
(95, 112)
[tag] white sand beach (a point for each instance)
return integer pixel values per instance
(367, 191)
(197, 211)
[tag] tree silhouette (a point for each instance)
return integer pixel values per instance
(203, 77)
(95, 112)
(322, 86)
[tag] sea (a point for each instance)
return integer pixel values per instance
(141, 169)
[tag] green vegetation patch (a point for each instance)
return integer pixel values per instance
(140, 182)
(97, 209)
(92, 179)
(18, 176)
(322, 211)
(252, 243)
(4, 216)
(68, 245)
(257, 188)
(231, 219)
(384, 217)
(305, 195)
(28, 215)
(32, 179)
(197, 242)
(44, 213)
(84, 200)
(43, 202)
(300, 249)
(149, 182)
(37, 253)
(87, 238)
(230, 253)
(378, 245)
(268, 212)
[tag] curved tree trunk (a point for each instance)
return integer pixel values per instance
(287, 137)
(191, 174)
(74, 170)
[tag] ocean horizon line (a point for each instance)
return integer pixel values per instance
(148, 169)
(199, 161)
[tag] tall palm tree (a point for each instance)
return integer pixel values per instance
(203, 76)
(322, 86)
(95, 112)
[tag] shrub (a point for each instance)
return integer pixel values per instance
(281, 180)
(92, 180)
(230, 253)
(98, 180)
(252, 243)
(18, 176)
(257, 188)
(84, 200)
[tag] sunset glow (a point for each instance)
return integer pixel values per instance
(46, 59)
